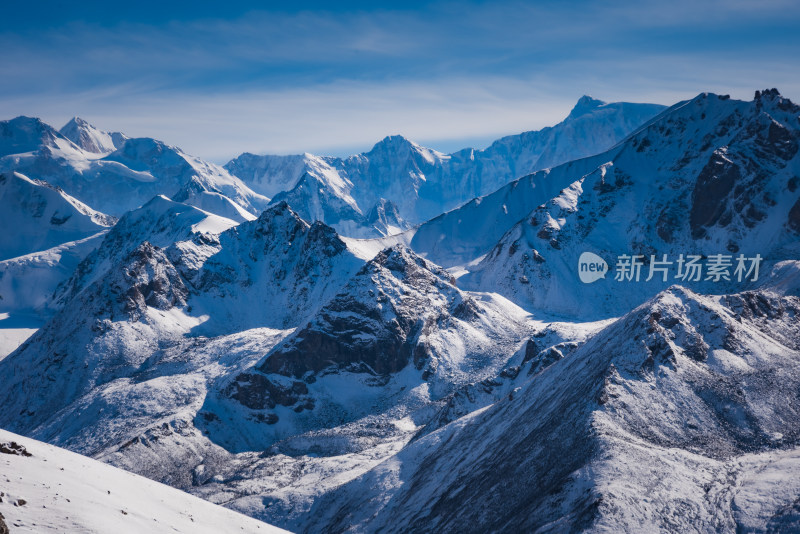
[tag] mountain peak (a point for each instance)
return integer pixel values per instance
(279, 219)
(23, 121)
(584, 105)
(392, 143)
(25, 134)
(76, 121)
(768, 93)
(772, 97)
(86, 136)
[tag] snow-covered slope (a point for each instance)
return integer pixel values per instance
(27, 285)
(122, 175)
(47, 489)
(681, 416)
(422, 183)
(28, 282)
(463, 235)
(208, 198)
(710, 176)
(36, 216)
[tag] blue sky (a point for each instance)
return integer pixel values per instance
(220, 78)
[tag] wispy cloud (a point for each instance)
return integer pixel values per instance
(338, 81)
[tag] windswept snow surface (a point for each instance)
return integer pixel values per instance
(15, 329)
(49, 489)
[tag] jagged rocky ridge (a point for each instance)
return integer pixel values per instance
(398, 323)
(134, 331)
(666, 420)
(659, 192)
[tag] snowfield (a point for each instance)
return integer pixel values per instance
(54, 490)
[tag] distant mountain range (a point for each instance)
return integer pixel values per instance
(399, 184)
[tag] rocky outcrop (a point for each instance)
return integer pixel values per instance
(374, 324)
(149, 279)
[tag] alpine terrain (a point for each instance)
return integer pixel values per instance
(588, 328)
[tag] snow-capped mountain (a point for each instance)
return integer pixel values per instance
(132, 294)
(46, 235)
(423, 183)
(326, 197)
(662, 192)
(681, 416)
(47, 489)
(272, 272)
(38, 216)
(122, 175)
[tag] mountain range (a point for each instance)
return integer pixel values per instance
(451, 373)
(399, 184)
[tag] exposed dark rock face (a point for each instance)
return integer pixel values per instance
(710, 195)
(794, 217)
(151, 280)
(531, 350)
(388, 351)
(258, 392)
(667, 225)
(58, 220)
(779, 142)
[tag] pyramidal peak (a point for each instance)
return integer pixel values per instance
(584, 105)
(90, 138)
(393, 143)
